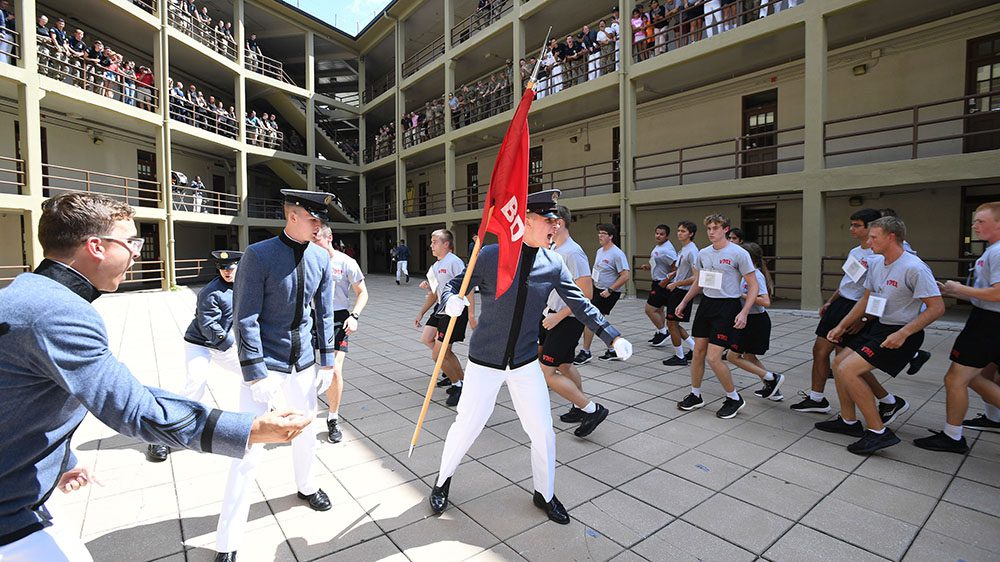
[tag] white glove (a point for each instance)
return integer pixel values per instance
(324, 376)
(266, 390)
(455, 306)
(623, 349)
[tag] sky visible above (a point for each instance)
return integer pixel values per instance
(350, 16)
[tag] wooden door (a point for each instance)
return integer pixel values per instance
(758, 153)
(982, 120)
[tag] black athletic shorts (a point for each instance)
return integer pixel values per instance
(340, 336)
(979, 343)
(559, 343)
(440, 321)
(838, 309)
(605, 304)
(658, 295)
(714, 320)
(867, 343)
(755, 339)
(674, 299)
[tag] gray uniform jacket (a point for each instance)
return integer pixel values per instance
(213, 317)
(55, 365)
(278, 281)
(507, 334)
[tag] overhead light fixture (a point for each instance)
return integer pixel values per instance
(855, 201)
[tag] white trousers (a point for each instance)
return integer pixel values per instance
(593, 65)
(401, 269)
(713, 17)
(556, 79)
(531, 401)
(299, 393)
(201, 361)
(51, 544)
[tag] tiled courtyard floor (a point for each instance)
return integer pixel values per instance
(651, 483)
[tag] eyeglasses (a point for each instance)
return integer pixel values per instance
(132, 243)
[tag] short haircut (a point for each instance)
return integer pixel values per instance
(564, 213)
(866, 216)
(891, 225)
(664, 228)
(326, 231)
(718, 219)
(401, 241)
(689, 226)
(609, 228)
(445, 235)
(68, 220)
(888, 212)
(738, 232)
(993, 207)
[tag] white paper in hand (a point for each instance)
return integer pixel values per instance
(432, 281)
(876, 306)
(710, 279)
(854, 269)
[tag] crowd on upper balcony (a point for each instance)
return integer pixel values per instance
(384, 142)
(198, 23)
(191, 106)
(96, 67)
(482, 98)
(7, 29)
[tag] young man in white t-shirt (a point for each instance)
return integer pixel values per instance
(661, 266)
(719, 269)
(610, 273)
(444, 270)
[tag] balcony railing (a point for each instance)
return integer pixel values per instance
(496, 97)
(379, 87)
(379, 148)
(469, 198)
(263, 64)
(348, 144)
(376, 213)
(479, 20)
(423, 57)
(422, 206)
(209, 36)
(10, 46)
(934, 128)
(187, 198)
(773, 152)
(580, 181)
(204, 117)
(148, 271)
(147, 5)
(265, 137)
(265, 208)
(9, 272)
(194, 270)
(59, 179)
(11, 175)
(425, 129)
(88, 75)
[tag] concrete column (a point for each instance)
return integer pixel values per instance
(449, 88)
(362, 178)
(400, 109)
(363, 237)
(627, 123)
(239, 33)
(24, 17)
(242, 187)
(519, 51)
(310, 129)
(815, 92)
(161, 72)
(29, 97)
(449, 23)
(449, 178)
(813, 247)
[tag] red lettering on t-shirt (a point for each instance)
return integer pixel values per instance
(548, 358)
(892, 283)
(725, 261)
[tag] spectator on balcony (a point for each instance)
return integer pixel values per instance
(205, 19)
(526, 69)
(95, 56)
(197, 194)
(482, 18)
(253, 53)
(6, 38)
(638, 36)
(110, 70)
(275, 131)
(76, 47)
(576, 58)
(554, 64)
(713, 17)
(606, 47)
(178, 105)
(658, 17)
(190, 15)
(233, 122)
(615, 34)
(60, 49)
(691, 23)
(730, 13)
(230, 36)
(672, 30)
(453, 104)
(212, 114)
(45, 45)
(253, 127)
(128, 83)
(588, 39)
(144, 85)
(219, 36)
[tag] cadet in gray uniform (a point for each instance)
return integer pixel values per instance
(897, 285)
(504, 348)
(661, 267)
(280, 279)
(209, 337)
(56, 365)
(346, 274)
(978, 345)
(677, 288)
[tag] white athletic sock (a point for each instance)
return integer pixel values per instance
(458, 384)
(662, 330)
(332, 416)
(769, 376)
(879, 432)
(696, 391)
(849, 422)
(690, 343)
(590, 408)
(733, 395)
(679, 351)
(992, 412)
(816, 396)
(587, 349)
(953, 431)
(889, 399)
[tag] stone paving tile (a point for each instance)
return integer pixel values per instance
(777, 496)
(803, 543)
(885, 499)
(666, 491)
(682, 541)
(935, 547)
(610, 467)
(962, 524)
(518, 514)
(973, 495)
(864, 528)
(572, 542)
(739, 522)
(621, 518)
(704, 469)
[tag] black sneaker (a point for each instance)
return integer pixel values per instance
(333, 428)
(941, 442)
(591, 421)
(982, 423)
(871, 442)
(397, 281)
(730, 407)
(777, 397)
(690, 402)
(689, 354)
(609, 355)
(445, 381)
(659, 340)
(452, 389)
(675, 361)
(407, 277)
(582, 358)
(809, 405)
(889, 412)
(918, 361)
(574, 415)
(652, 339)
(770, 387)
(725, 354)
(455, 396)
(838, 425)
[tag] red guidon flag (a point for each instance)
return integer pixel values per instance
(508, 194)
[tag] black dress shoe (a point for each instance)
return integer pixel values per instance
(318, 501)
(439, 496)
(333, 430)
(553, 508)
(157, 453)
(225, 556)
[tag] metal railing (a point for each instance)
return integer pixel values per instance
(379, 148)
(579, 181)
(348, 146)
(204, 116)
(934, 128)
(265, 208)
(11, 175)
(9, 272)
(265, 137)
(195, 269)
(376, 213)
(147, 5)
(10, 46)
(423, 57)
(421, 206)
(131, 190)
(209, 36)
(566, 74)
(425, 129)
(469, 198)
(89, 75)
(732, 158)
(497, 98)
(379, 87)
(148, 271)
(263, 64)
(479, 20)
(195, 200)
